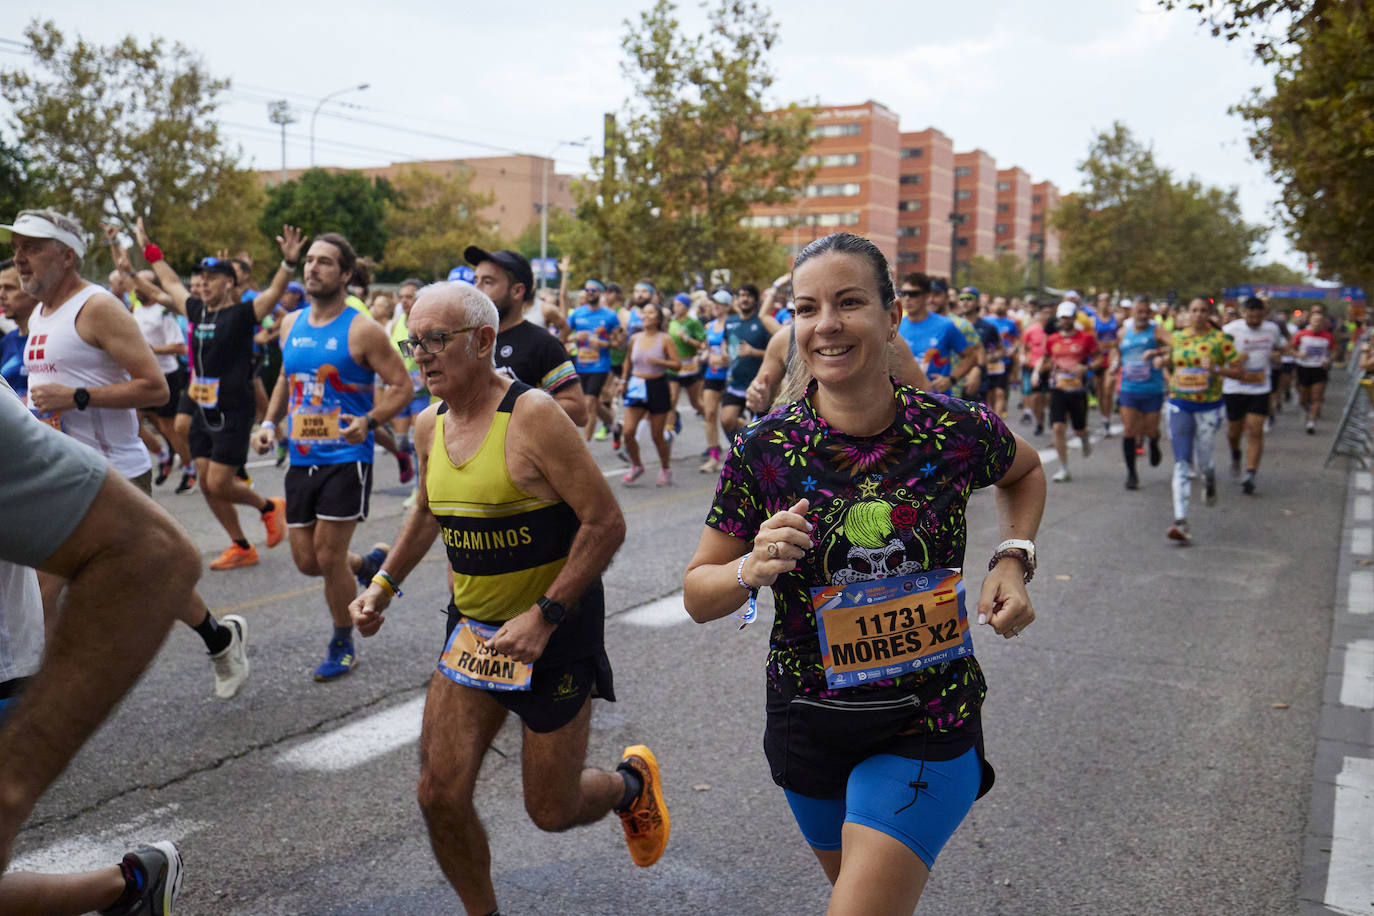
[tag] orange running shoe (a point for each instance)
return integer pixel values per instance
(275, 521)
(646, 821)
(235, 556)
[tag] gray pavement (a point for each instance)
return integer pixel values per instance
(1169, 736)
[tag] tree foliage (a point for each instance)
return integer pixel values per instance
(1004, 275)
(1133, 227)
(433, 219)
(127, 130)
(693, 150)
(1276, 274)
(320, 201)
(20, 187)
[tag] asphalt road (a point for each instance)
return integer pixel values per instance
(1153, 732)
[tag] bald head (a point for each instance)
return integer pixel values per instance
(455, 305)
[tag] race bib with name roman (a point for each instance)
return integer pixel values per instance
(885, 628)
(466, 660)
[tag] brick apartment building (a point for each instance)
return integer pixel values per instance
(515, 182)
(900, 189)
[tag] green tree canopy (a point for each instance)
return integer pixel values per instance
(320, 201)
(1004, 275)
(127, 130)
(434, 218)
(694, 149)
(1133, 227)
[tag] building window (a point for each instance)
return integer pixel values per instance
(961, 242)
(912, 152)
(908, 232)
(835, 130)
(834, 219)
(767, 222)
(909, 205)
(1002, 229)
(848, 189)
(1037, 217)
(961, 171)
(909, 257)
(1004, 185)
(964, 194)
(1035, 199)
(909, 179)
(1004, 208)
(831, 160)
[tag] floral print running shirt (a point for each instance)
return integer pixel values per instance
(886, 505)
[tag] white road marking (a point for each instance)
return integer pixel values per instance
(664, 612)
(106, 847)
(1361, 542)
(1357, 678)
(1360, 596)
(1364, 481)
(1364, 508)
(1350, 873)
(358, 742)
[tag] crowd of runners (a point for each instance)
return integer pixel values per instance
(495, 407)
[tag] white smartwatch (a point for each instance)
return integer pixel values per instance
(1019, 549)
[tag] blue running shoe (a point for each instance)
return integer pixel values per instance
(372, 561)
(338, 661)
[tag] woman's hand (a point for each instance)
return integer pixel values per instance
(782, 540)
(1004, 603)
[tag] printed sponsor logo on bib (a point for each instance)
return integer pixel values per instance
(1135, 372)
(466, 660)
(204, 391)
(1067, 381)
(316, 425)
(588, 356)
(52, 418)
(889, 627)
(1192, 380)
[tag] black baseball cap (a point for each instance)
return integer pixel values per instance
(511, 262)
(939, 285)
(217, 266)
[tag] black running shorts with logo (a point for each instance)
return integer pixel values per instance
(573, 667)
(1238, 405)
(592, 382)
(333, 492)
(1071, 406)
(221, 435)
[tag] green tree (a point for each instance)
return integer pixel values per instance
(1004, 275)
(1276, 274)
(126, 130)
(434, 217)
(1133, 227)
(695, 148)
(320, 201)
(20, 188)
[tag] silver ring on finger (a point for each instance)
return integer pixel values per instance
(773, 549)
(1016, 631)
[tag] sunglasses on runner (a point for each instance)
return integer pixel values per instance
(911, 293)
(431, 342)
(967, 298)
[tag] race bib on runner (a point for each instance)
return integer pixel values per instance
(316, 426)
(1191, 380)
(1313, 352)
(52, 418)
(688, 367)
(466, 660)
(1067, 381)
(889, 627)
(204, 391)
(1253, 377)
(1135, 372)
(637, 390)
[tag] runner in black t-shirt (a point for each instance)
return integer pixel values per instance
(525, 351)
(221, 388)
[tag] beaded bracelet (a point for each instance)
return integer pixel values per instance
(753, 612)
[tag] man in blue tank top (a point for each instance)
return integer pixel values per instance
(331, 356)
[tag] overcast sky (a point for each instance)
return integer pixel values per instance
(1029, 82)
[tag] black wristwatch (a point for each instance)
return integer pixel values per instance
(82, 398)
(372, 424)
(554, 612)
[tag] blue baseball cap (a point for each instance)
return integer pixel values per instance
(684, 299)
(462, 274)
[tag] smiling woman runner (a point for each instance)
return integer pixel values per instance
(855, 493)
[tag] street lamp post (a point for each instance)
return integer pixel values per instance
(544, 206)
(316, 113)
(279, 112)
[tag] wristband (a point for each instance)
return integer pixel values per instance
(268, 424)
(753, 612)
(289, 265)
(387, 583)
(151, 253)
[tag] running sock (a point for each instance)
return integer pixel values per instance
(215, 637)
(633, 786)
(266, 507)
(242, 545)
(134, 882)
(343, 634)
(1235, 454)
(1128, 451)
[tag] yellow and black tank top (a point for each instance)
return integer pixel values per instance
(505, 546)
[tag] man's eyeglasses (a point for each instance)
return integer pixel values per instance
(911, 293)
(431, 342)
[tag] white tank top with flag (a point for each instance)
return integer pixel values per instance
(55, 353)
